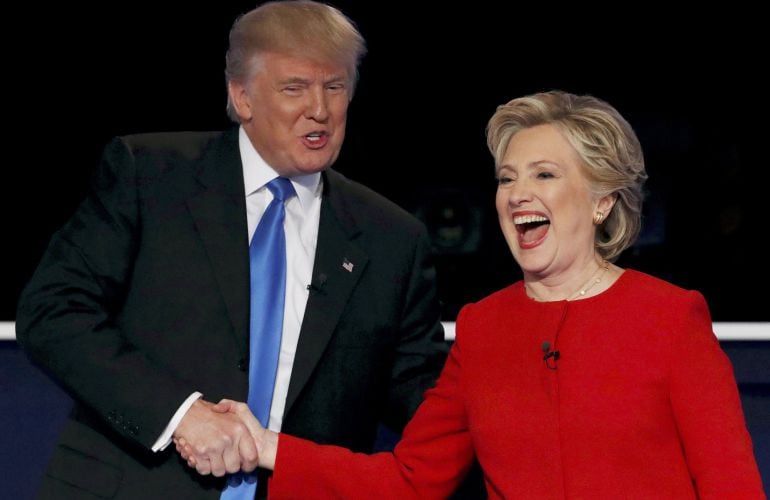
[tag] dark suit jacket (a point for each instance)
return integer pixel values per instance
(143, 297)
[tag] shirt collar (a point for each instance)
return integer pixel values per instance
(257, 173)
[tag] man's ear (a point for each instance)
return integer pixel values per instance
(239, 98)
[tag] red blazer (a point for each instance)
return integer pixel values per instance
(642, 404)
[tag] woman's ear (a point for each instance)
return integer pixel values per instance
(605, 204)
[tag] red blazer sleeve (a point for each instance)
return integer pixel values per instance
(431, 459)
(708, 412)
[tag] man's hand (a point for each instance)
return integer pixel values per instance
(215, 442)
(266, 440)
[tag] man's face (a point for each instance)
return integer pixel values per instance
(294, 111)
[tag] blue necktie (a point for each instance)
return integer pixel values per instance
(267, 256)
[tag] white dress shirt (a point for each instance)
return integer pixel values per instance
(303, 214)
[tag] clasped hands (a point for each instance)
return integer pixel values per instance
(224, 438)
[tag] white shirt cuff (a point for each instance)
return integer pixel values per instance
(165, 438)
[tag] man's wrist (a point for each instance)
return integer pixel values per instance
(168, 433)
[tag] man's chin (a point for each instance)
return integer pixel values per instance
(296, 170)
(313, 165)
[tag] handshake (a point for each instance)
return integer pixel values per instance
(224, 438)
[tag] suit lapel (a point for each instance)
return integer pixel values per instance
(337, 268)
(219, 212)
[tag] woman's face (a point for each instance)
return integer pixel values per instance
(545, 205)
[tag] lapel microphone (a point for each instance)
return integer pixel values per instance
(550, 357)
(313, 287)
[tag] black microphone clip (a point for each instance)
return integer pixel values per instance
(318, 287)
(550, 355)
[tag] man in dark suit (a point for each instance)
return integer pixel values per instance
(140, 306)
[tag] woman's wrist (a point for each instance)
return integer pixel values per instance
(267, 446)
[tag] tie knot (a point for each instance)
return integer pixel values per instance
(281, 188)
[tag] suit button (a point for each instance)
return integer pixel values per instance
(243, 364)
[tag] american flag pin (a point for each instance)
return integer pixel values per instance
(347, 265)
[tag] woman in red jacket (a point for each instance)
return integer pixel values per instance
(584, 380)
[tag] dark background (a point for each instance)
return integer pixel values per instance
(690, 85)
